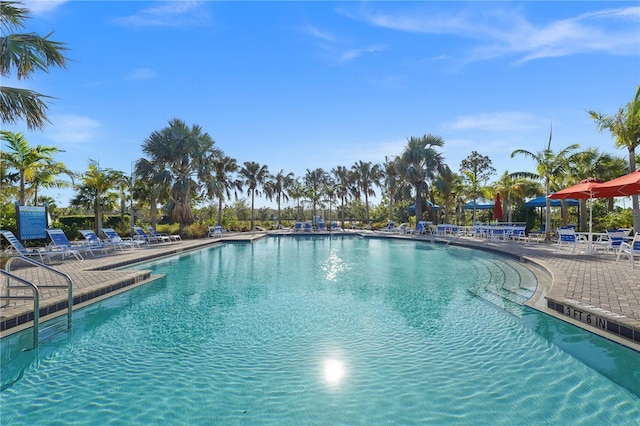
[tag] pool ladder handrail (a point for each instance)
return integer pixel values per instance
(36, 293)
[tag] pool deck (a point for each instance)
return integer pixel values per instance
(591, 291)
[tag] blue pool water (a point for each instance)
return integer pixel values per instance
(320, 331)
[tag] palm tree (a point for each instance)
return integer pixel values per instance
(253, 175)
(28, 160)
(152, 184)
(344, 181)
(445, 184)
(549, 165)
(314, 181)
(277, 186)
(420, 163)
(297, 192)
(95, 190)
(25, 53)
(221, 182)
(476, 168)
(366, 175)
(179, 153)
(594, 164)
(625, 127)
(391, 181)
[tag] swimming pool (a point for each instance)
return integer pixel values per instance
(320, 330)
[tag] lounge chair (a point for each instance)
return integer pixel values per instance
(141, 235)
(297, 227)
(322, 226)
(61, 242)
(567, 236)
(154, 233)
(120, 242)
(307, 227)
(41, 254)
(335, 226)
(95, 242)
(216, 231)
(630, 249)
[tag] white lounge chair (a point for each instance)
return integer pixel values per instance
(630, 249)
(120, 242)
(141, 235)
(41, 254)
(154, 233)
(216, 231)
(94, 241)
(62, 243)
(297, 227)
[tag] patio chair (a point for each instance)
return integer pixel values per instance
(60, 242)
(630, 249)
(616, 238)
(322, 226)
(308, 227)
(41, 254)
(122, 243)
(154, 233)
(297, 227)
(139, 234)
(519, 233)
(93, 240)
(567, 236)
(335, 226)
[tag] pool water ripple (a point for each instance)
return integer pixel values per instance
(345, 331)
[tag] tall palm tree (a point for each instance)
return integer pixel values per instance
(314, 181)
(95, 189)
(445, 184)
(391, 181)
(180, 153)
(548, 165)
(222, 181)
(152, 183)
(28, 160)
(625, 127)
(344, 181)
(253, 175)
(297, 192)
(420, 163)
(25, 53)
(276, 187)
(366, 175)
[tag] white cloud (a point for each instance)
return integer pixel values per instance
(141, 74)
(72, 129)
(496, 122)
(352, 54)
(501, 31)
(42, 7)
(167, 14)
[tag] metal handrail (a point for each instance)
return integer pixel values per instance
(36, 301)
(55, 271)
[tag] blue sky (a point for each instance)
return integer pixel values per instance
(302, 85)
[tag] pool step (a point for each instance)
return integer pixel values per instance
(505, 284)
(497, 300)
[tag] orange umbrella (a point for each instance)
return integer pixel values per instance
(497, 208)
(588, 188)
(623, 186)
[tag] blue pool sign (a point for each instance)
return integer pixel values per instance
(32, 222)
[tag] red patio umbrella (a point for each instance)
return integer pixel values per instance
(586, 189)
(623, 186)
(497, 208)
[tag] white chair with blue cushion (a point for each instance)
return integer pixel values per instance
(567, 236)
(630, 249)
